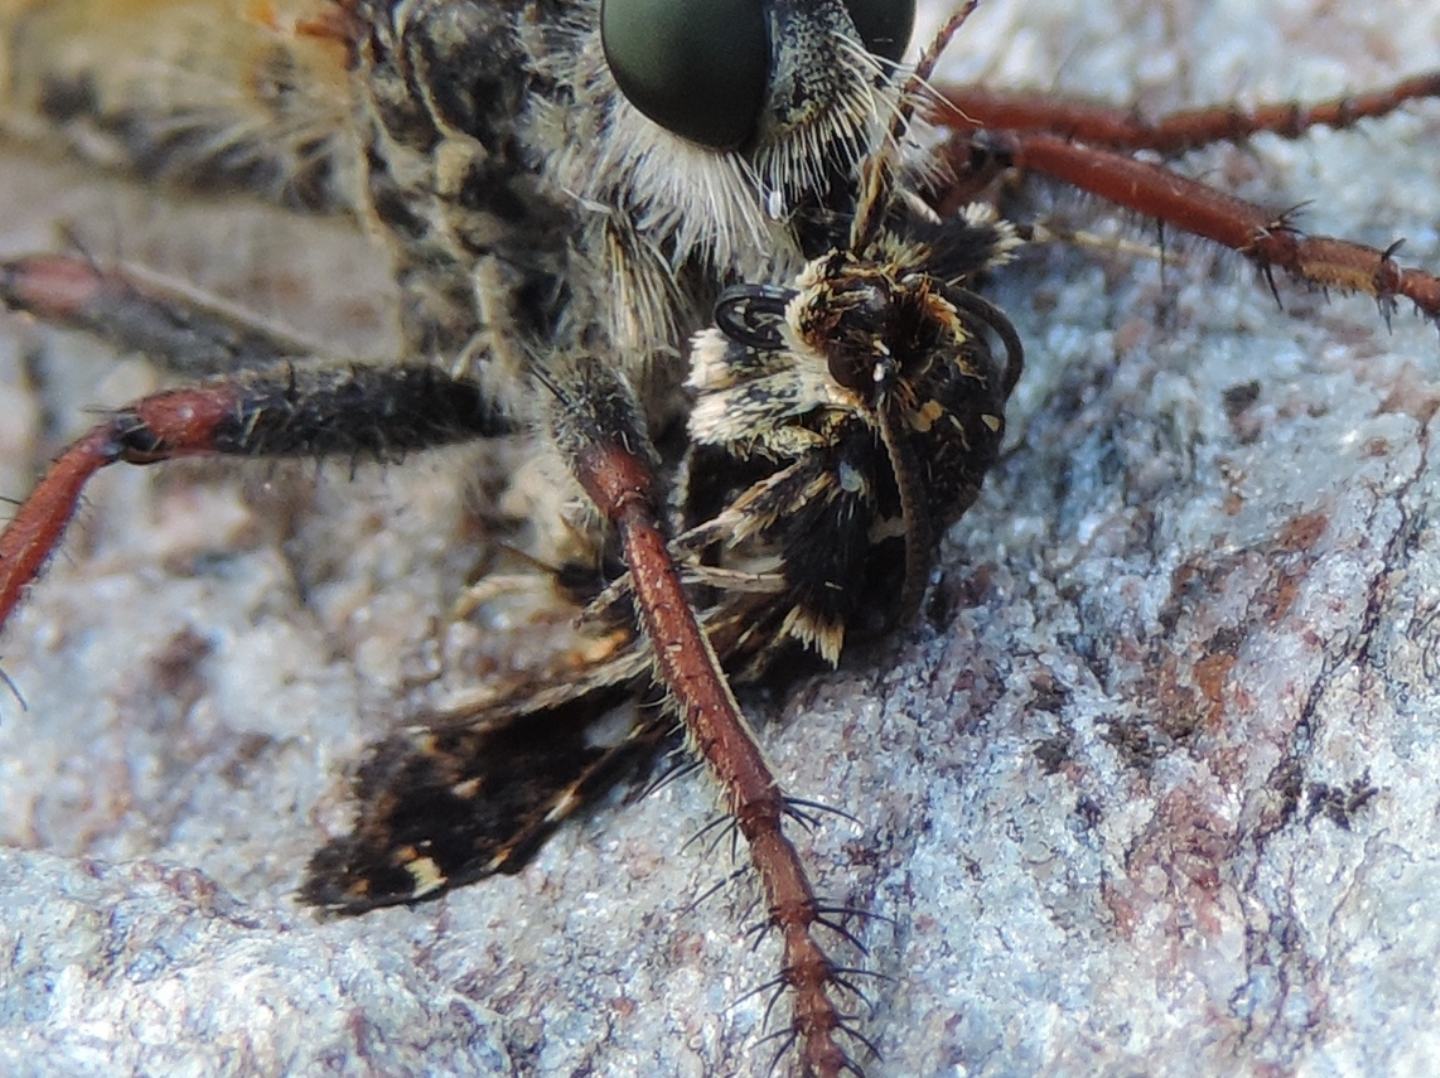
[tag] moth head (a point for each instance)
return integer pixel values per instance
(877, 339)
(872, 327)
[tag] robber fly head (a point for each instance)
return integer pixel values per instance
(748, 74)
(717, 119)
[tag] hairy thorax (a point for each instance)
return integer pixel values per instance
(531, 209)
(531, 205)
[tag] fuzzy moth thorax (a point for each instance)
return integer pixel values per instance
(840, 422)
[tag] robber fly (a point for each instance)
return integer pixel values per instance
(845, 407)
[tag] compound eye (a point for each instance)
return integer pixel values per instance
(854, 371)
(885, 25)
(697, 68)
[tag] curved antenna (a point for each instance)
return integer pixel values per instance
(877, 171)
(982, 310)
(748, 313)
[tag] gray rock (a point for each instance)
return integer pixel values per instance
(1148, 789)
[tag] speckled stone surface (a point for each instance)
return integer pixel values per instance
(1149, 789)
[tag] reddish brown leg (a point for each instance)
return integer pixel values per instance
(180, 331)
(977, 107)
(289, 411)
(1268, 240)
(597, 429)
(1079, 144)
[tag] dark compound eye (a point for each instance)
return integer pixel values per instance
(700, 68)
(884, 25)
(696, 67)
(853, 370)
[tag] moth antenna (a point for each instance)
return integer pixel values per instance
(877, 172)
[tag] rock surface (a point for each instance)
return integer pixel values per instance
(1150, 788)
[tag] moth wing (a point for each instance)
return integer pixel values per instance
(454, 799)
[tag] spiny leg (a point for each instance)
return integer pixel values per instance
(1269, 240)
(286, 411)
(979, 107)
(180, 330)
(1079, 144)
(597, 427)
